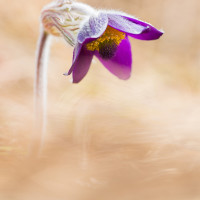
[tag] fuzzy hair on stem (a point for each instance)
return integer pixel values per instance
(40, 93)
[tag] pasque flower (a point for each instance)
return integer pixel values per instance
(105, 35)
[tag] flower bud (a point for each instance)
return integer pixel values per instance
(64, 18)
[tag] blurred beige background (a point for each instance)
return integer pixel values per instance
(106, 138)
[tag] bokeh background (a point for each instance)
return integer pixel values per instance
(106, 138)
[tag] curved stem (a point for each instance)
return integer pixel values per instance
(40, 92)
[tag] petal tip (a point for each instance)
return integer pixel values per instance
(74, 81)
(125, 76)
(161, 32)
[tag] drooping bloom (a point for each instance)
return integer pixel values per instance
(105, 35)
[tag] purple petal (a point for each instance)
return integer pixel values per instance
(93, 28)
(81, 65)
(150, 34)
(133, 27)
(76, 53)
(120, 63)
(122, 24)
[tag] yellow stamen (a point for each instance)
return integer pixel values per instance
(109, 34)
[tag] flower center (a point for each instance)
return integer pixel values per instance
(107, 43)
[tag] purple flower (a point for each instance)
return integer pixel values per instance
(106, 36)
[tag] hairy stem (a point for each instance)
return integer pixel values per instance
(40, 92)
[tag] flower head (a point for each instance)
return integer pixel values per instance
(105, 35)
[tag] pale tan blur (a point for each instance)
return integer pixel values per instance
(107, 139)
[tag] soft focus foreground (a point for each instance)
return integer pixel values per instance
(106, 138)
